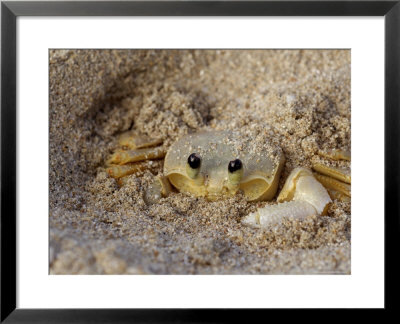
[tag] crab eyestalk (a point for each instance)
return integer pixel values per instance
(193, 166)
(235, 174)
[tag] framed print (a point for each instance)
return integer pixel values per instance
(181, 155)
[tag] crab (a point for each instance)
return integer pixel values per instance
(217, 164)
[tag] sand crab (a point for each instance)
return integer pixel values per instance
(220, 163)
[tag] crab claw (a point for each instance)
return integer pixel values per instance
(160, 187)
(301, 196)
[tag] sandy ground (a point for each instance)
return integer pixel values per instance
(299, 99)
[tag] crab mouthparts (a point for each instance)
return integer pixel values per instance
(217, 194)
(217, 189)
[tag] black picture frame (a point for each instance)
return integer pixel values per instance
(10, 10)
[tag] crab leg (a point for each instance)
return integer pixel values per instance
(301, 196)
(336, 154)
(134, 141)
(336, 173)
(333, 184)
(123, 157)
(119, 171)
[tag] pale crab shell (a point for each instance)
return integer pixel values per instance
(262, 165)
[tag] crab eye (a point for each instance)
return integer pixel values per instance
(194, 161)
(235, 173)
(235, 165)
(193, 165)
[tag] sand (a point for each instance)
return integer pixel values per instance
(299, 99)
